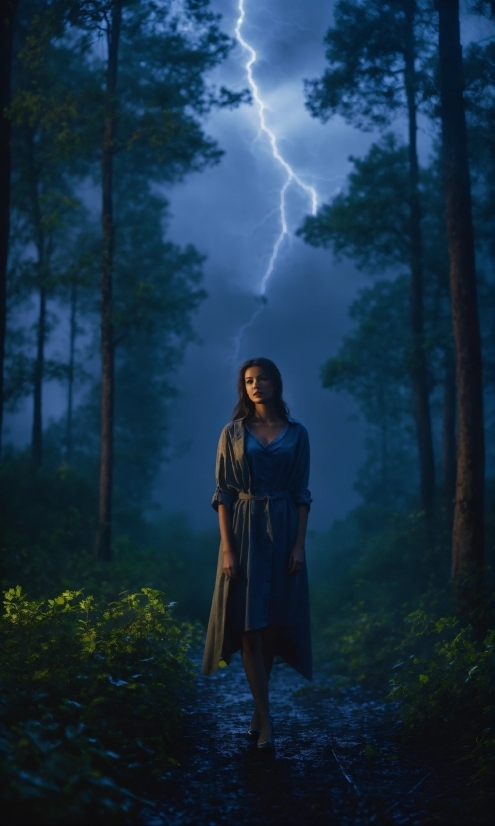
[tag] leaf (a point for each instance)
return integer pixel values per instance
(117, 683)
(424, 679)
(74, 731)
(37, 781)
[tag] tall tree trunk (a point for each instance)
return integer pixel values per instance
(39, 361)
(419, 367)
(468, 531)
(70, 377)
(103, 536)
(39, 364)
(384, 448)
(7, 20)
(449, 447)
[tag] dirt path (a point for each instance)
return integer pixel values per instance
(336, 762)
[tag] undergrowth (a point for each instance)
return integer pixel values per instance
(384, 619)
(91, 704)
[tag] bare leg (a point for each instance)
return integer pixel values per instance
(268, 639)
(254, 666)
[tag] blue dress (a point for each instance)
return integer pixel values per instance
(262, 486)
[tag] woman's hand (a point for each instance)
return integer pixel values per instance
(230, 566)
(296, 559)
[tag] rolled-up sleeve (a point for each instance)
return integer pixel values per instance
(225, 492)
(223, 497)
(300, 491)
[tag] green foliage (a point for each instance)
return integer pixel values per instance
(479, 64)
(47, 521)
(370, 221)
(446, 693)
(374, 567)
(366, 53)
(58, 114)
(91, 703)
(372, 367)
(382, 615)
(153, 324)
(51, 244)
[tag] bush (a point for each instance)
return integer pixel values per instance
(382, 606)
(446, 695)
(91, 703)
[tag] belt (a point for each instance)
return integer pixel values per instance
(282, 494)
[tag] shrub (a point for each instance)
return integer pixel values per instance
(91, 703)
(447, 693)
(382, 586)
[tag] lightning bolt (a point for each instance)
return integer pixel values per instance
(290, 177)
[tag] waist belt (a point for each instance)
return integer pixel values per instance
(282, 494)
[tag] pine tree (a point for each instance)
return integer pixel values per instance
(47, 75)
(7, 22)
(377, 52)
(151, 98)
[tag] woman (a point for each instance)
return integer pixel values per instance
(261, 603)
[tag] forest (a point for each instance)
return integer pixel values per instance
(104, 109)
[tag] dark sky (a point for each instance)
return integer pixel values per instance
(231, 213)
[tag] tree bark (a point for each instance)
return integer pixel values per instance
(384, 449)
(37, 437)
(70, 377)
(103, 536)
(419, 371)
(468, 530)
(39, 361)
(7, 20)
(449, 447)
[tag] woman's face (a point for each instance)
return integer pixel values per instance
(259, 386)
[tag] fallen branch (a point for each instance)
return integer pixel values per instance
(406, 794)
(351, 782)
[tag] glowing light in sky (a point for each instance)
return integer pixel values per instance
(291, 176)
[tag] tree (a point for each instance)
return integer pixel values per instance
(479, 78)
(376, 53)
(76, 282)
(371, 366)
(7, 21)
(47, 75)
(151, 96)
(152, 326)
(468, 533)
(370, 223)
(103, 540)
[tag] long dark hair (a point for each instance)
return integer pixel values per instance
(245, 408)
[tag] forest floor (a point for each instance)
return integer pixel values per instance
(336, 761)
